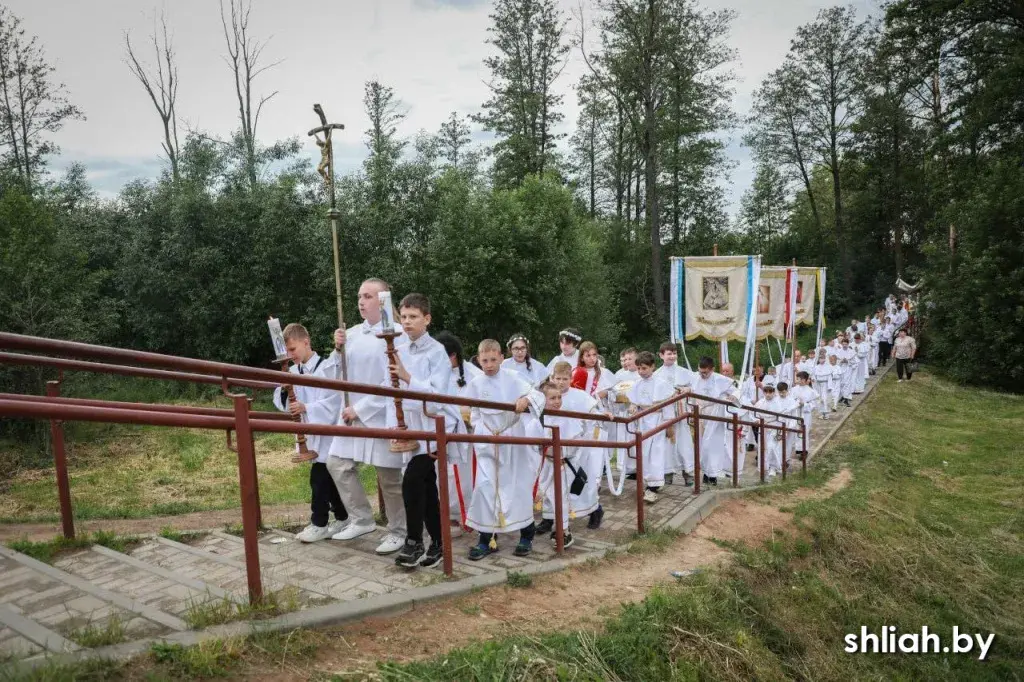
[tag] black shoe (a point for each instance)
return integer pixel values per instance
(523, 548)
(704, 478)
(545, 526)
(630, 477)
(433, 556)
(687, 479)
(713, 480)
(566, 539)
(410, 555)
(595, 518)
(669, 478)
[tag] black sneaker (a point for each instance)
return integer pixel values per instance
(545, 526)
(630, 477)
(433, 556)
(595, 518)
(713, 480)
(703, 478)
(411, 554)
(566, 539)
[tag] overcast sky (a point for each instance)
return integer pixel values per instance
(430, 51)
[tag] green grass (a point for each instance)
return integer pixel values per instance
(203, 614)
(519, 579)
(92, 635)
(930, 532)
(129, 472)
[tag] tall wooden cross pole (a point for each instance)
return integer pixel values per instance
(326, 171)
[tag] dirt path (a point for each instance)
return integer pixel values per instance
(280, 514)
(581, 597)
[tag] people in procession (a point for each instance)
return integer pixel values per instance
(460, 455)
(649, 390)
(367, 364)
(680, 459)
(314, 406)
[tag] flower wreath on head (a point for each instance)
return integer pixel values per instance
(570, 335)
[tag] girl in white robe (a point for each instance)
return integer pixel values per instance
(589, 378)
(715, 439)
(860, 374)
(627, 376)
(787, 404)
(823, 384)
(807, 399)
(460, 455)
(680, 459)
(835, 387)
(502, 499)
(521, 360)
(848, 361)
(569, 429)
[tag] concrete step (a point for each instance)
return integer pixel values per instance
(37, 595)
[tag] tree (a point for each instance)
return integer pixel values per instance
(453, 138)
(587, 143)
(523, 108)
(827, 56)
(32, 105)
(244, 54)
(162, 88)
(765, 209)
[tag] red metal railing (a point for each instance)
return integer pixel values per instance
(246, 422)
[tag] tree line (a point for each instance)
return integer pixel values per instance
(885, 146)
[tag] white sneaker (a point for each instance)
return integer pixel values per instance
(391, 543)
(336, 526)
(353, 531)
(899, 381)
(313, 533)
(650, 497)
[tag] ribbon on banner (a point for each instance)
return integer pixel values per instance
(677, 306)
(821, 306)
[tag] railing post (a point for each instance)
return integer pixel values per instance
(556, 464)
(641, 524)
(761, 435)
(60, 464)
(735, 449)
(803, 457)
(785, 430)
(696, 450)
(442, 493)
(248, 484)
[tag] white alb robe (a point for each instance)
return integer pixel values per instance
(367, 364)
(460, 455)
(716, 439)
(860, 373)
(772, 438)
(503, 496)
(322, 404)
(591, 459)
(823, 386)
(680, 459)
(806, 398)
(644, 394)
(569, 429)
(573, 360)
(848, 361)
(622, 457)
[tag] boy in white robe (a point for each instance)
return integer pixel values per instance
(715, 439)
(627, 376)
(569, 341)
(460, 455)
(822, 377)
(874, 338)
(680, 459)
(314, 406)
(575, 400)
(569, 429)
(806, 399)
(787, 404)
(367, 364)
(521, 360)
(421, 365)
(860, 373)
(505, 474)
(847, 361)
(650, 390)
(750, 393)
(773, 441)
(835, 387)
(590, 378)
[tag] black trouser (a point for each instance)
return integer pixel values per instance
(884, 348)
(525, 535)
(903, 366)
(325, 498)
(419, 492)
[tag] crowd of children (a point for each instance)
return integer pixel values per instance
(496, 489)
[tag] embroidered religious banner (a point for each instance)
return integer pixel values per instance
(771, 302)
(806, 292)
(712, 297)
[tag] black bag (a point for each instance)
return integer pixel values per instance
(912, 366)
(579, 481)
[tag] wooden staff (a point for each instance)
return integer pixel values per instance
(396, 444)
(304, 454)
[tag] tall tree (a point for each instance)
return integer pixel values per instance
(32, 105)
(828, 55)
(161, 86)
(587, 144)
(244, 53)
(523, 110)
(453, 138)
(765, 208)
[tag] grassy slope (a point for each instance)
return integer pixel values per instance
(930, 532)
